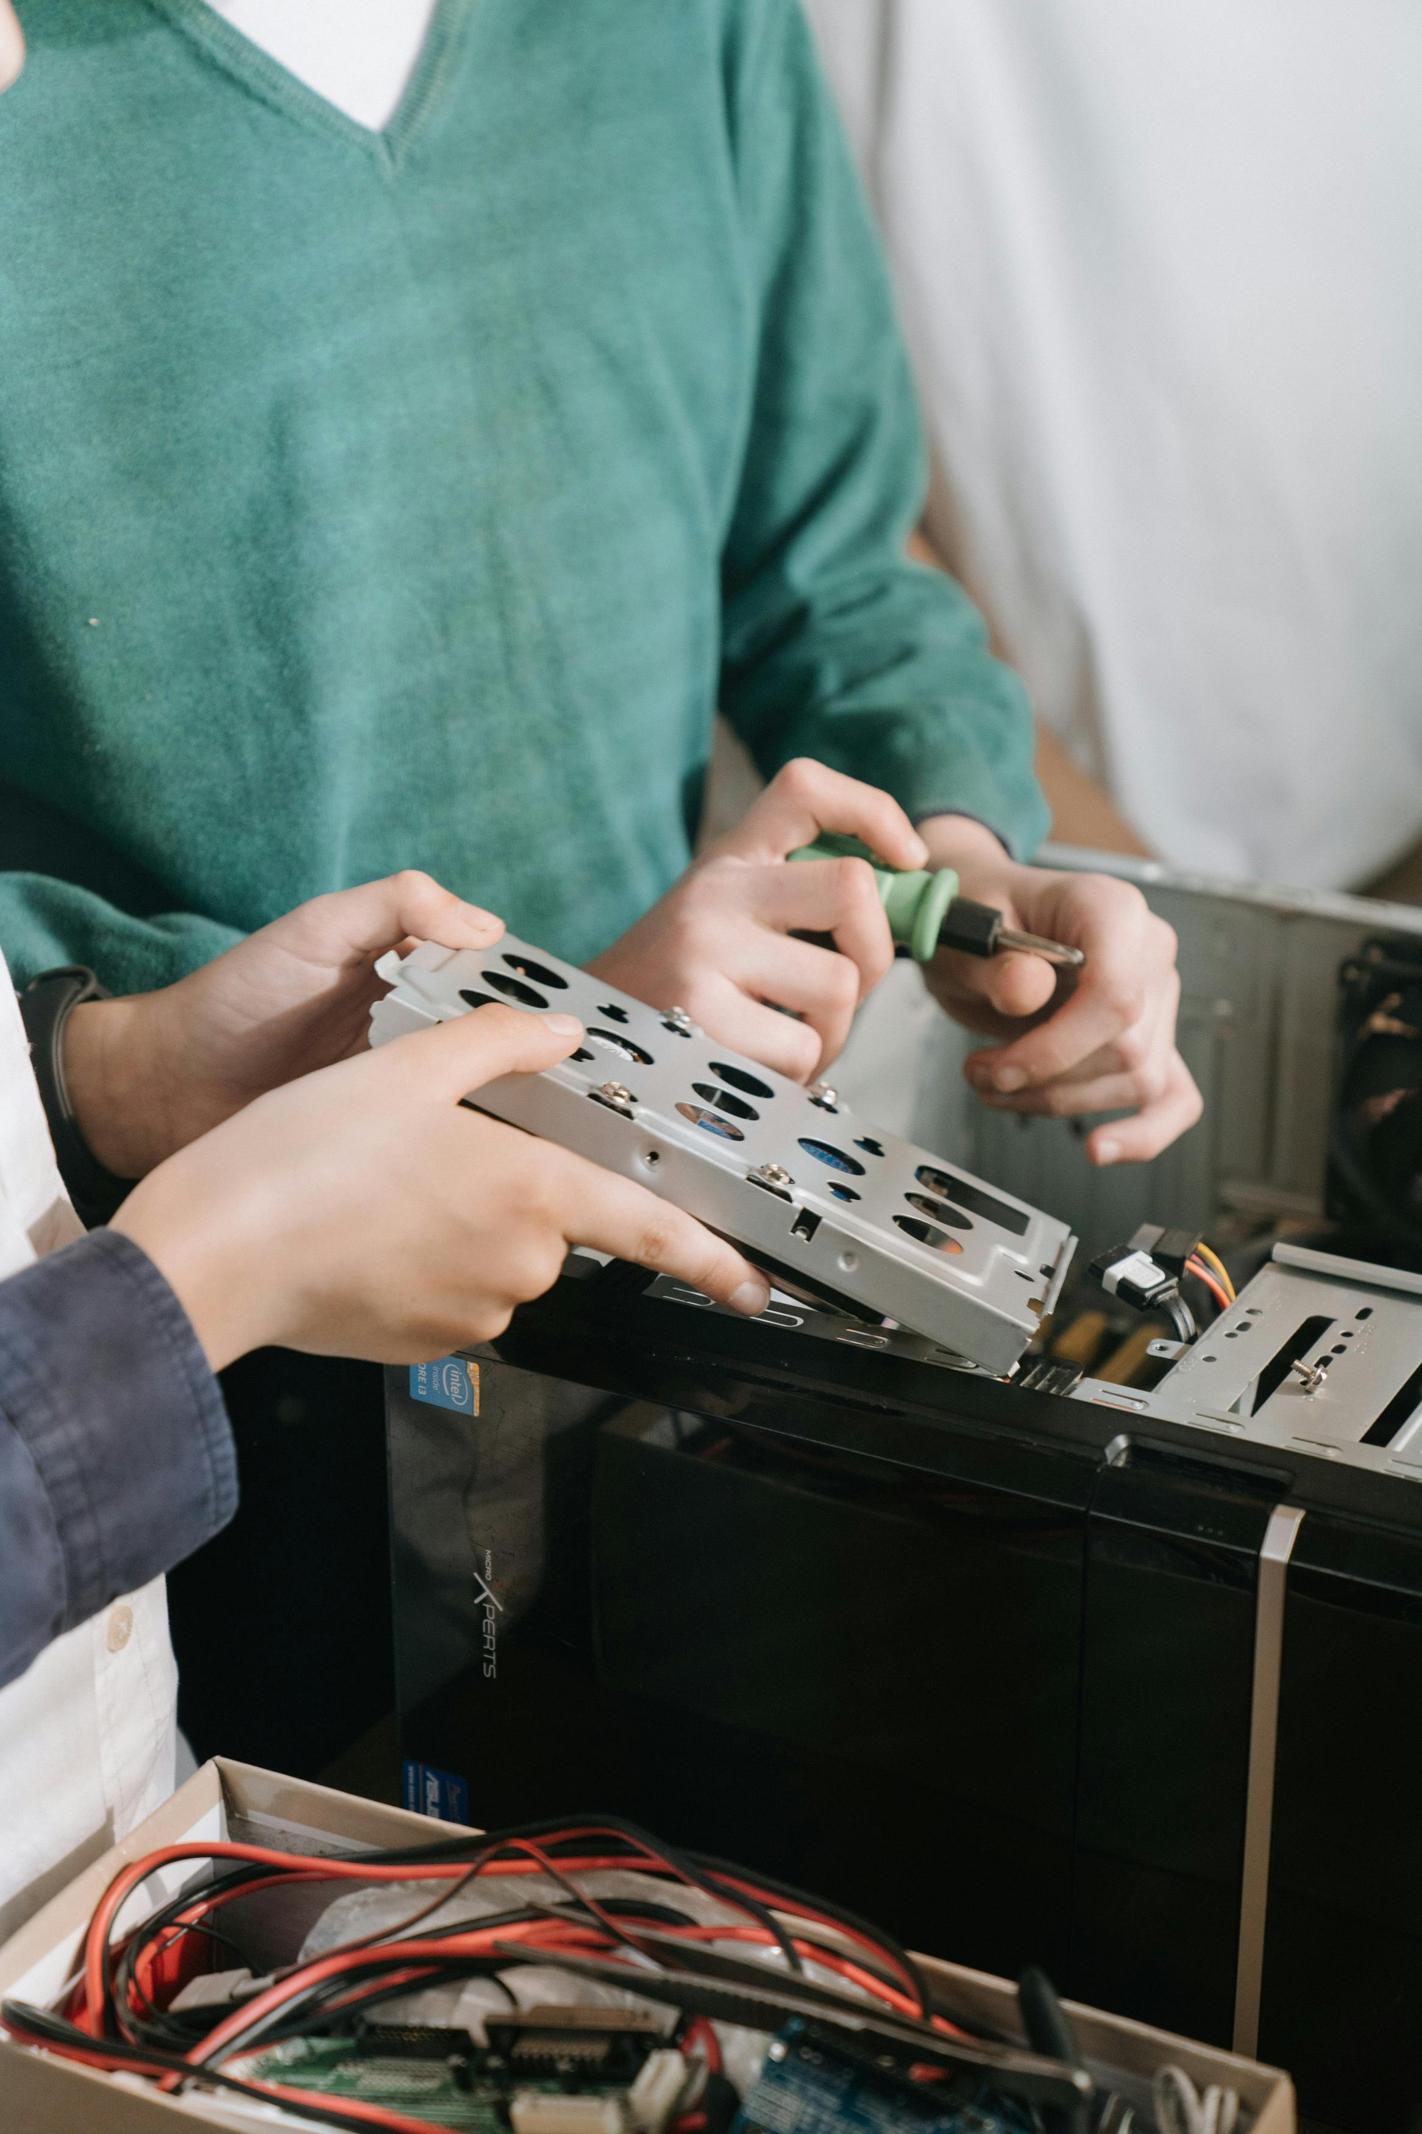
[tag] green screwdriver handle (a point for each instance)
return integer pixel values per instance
(916, 903)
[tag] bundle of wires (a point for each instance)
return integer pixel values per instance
(1210, 1271)
(120, 2015)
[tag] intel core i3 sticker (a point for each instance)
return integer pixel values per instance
(453, 1382)
(439, 1793)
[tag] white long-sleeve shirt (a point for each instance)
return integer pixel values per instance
(115, 1461)
(87, 1736)
(1159, 271)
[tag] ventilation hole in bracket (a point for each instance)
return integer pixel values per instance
(610, 1009)
(975, 1198)
(842, 1192)
(825, 1152)
(805, 1225)
(868, 1143)
(739, 1079)
(538, 972)
(710, 1123)
(627, 1046)
(940, 1211)
(514, 989)
(582, 1053)
(722, 1100)
(471, 999)
(1366, 1312)
(928, 1234)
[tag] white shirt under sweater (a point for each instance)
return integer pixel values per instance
(358, 54)
(88, 1732)
(1159, 270)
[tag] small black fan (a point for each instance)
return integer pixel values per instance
(1375, 1151)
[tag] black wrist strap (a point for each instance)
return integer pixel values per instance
(45, 1006)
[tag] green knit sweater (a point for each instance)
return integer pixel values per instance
(413, 499)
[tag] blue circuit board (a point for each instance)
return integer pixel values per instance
(810, 2085)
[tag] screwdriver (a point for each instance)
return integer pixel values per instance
(926, 913)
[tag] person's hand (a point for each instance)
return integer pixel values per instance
(12, 46)
(362, 1211)
(721, 943)
(148, 1073)
(1069, 1043)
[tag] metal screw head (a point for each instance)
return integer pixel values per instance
(774, 1174)
(1310, 1375)
(617, 1093)
(824, 1095)
(678, 1019)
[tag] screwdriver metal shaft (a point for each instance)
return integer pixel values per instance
(1008, 937)
(926, 911)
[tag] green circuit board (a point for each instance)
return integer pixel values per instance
(443, 2091)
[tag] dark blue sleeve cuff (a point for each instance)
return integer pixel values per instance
(116, 1456)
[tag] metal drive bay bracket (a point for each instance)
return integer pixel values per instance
(1319, 1355)
(820, 1199)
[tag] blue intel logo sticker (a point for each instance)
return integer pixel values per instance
(453, 1382)
(437, 1793)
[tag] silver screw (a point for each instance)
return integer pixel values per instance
(821, 1093)
(678, 1019)
(773, 1174)
(618, 1093)
(1310, 1375)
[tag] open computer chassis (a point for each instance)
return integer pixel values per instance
(1122, 1676)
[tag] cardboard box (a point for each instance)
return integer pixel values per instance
(40, 2094)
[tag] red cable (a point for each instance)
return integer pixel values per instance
(513, 1856)
(96, 1949)
(393, 2122)
(1216, 1288)
(824, 1919)
(393, 1956)
(699, 2036)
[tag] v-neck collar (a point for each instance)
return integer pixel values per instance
(265, 76)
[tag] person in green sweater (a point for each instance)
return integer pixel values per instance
(412, 495)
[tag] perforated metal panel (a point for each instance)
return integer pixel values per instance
(1320, 1357)
(816, 1194)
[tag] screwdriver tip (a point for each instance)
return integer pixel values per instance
(1039, 945)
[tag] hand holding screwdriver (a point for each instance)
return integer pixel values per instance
(926, 912)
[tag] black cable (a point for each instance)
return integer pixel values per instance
(1049, 2032)
(607, 1835)
(839, 1916)
(120, 1975)
(431, 1971)
(190, 2026)
(35, 2024)
(630, 1835)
